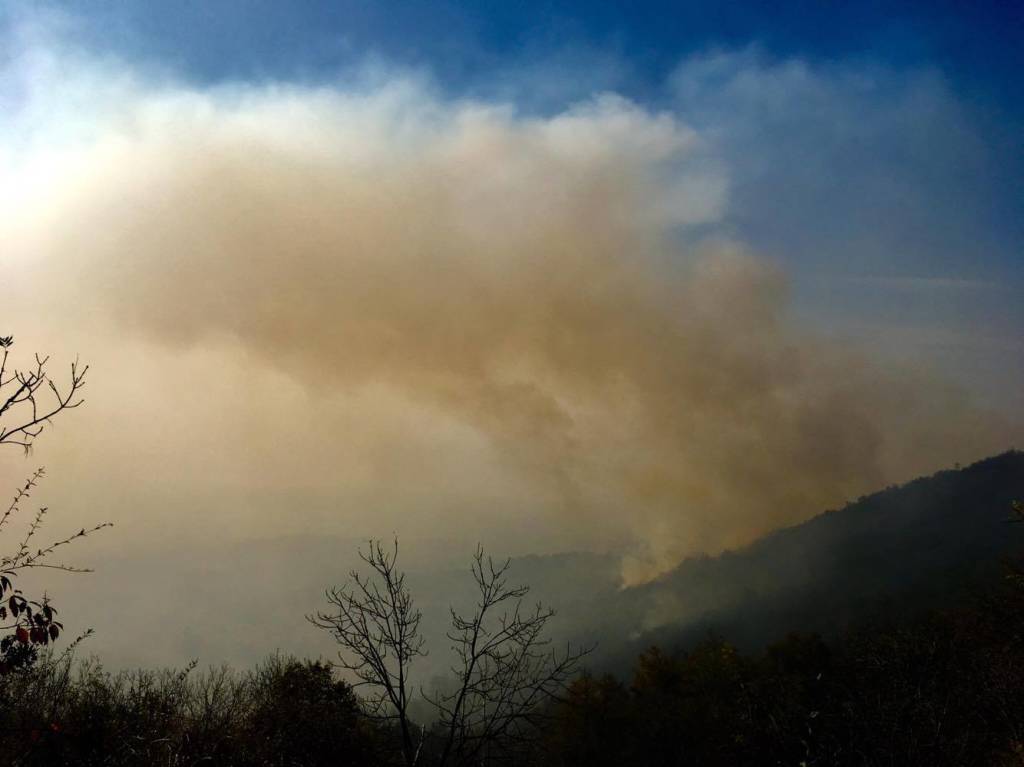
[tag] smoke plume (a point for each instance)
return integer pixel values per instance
(375, 308)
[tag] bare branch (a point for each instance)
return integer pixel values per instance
(506, 668)
(376, 623)
(504, 665)
(29, 398)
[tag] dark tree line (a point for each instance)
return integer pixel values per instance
(941, 688)
(283, 713)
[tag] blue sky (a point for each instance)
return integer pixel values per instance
(977, 44)
(872, 148)
(860, 139)
(543, 55)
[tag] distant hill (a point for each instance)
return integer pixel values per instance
(926, 543)
(903, 548)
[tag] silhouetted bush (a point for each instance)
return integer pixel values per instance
(285, 712)
(302, 715)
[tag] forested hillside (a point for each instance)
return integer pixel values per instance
(926, 543)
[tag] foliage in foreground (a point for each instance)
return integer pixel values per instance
(941, 689)
(29, 401)
(284, 712)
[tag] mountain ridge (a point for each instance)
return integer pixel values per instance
(911, 546)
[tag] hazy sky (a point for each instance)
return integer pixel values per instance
(552, 278)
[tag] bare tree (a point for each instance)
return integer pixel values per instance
(378, 626)
(505, 666)
(29, 398)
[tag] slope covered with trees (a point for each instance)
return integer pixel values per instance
(936, 682)
(930, 542)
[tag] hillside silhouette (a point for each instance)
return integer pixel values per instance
(930, 542)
